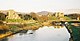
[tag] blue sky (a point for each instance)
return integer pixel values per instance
(39, 5)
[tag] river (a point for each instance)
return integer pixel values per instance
(44, 34)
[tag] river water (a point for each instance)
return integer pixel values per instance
(44, 34)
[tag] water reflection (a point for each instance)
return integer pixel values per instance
(44, 34)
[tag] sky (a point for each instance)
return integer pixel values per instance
(39, 5)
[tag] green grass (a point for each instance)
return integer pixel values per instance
(67, 18)
(14, 20)
(53, 18)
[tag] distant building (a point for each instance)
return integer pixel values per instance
(12, 15)
(58, 14)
